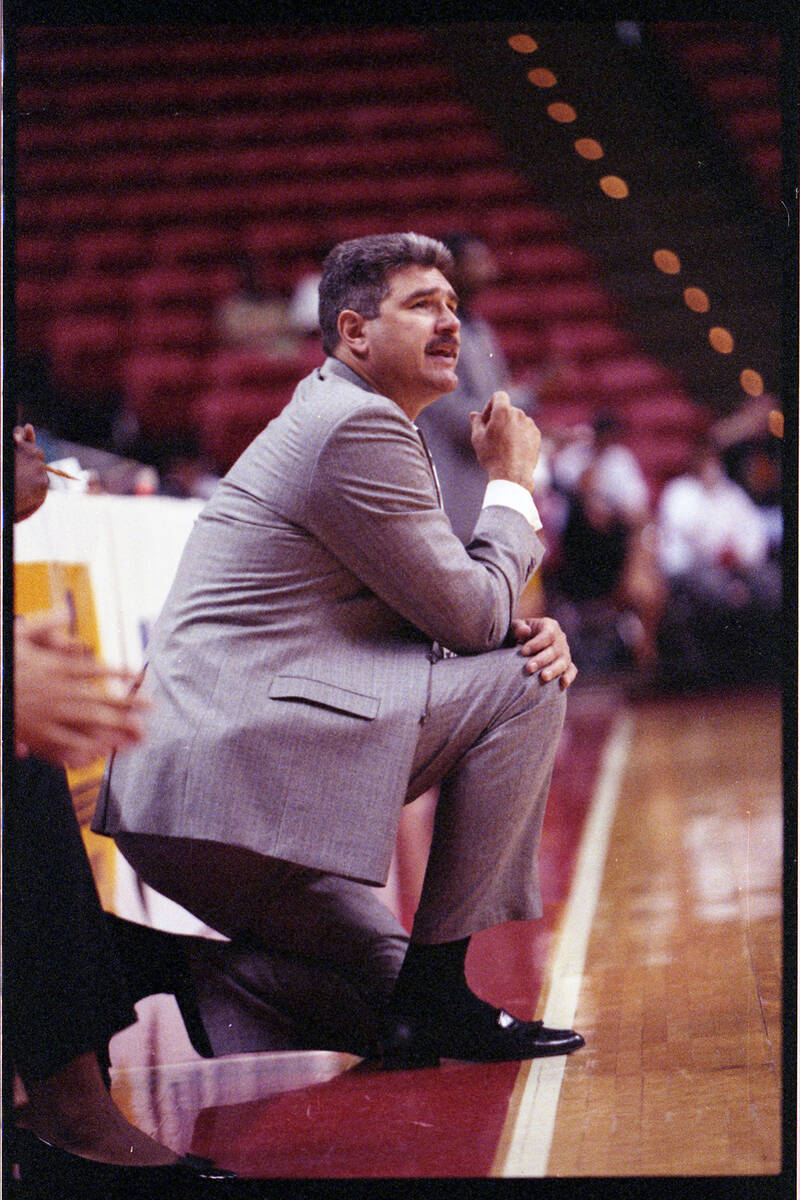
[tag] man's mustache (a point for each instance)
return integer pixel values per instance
(443, 344)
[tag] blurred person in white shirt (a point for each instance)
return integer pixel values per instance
(714, 550)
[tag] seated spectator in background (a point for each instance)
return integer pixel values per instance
(482, 370)
(255, 317)
(183, 470)
(607, 576)
(304, 302)
(616, 474)
(721, 623)
(749, 442)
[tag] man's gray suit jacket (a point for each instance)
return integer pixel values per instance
(290, 665)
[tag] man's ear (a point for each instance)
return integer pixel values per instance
(351, 326)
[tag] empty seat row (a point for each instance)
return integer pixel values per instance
(126, 169)
(277, 167)
(199, 129)
(578, 339)
(169, 47)
(535, 304)
(151, 207)
(261, 87)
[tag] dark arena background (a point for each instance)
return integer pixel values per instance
(174, 191)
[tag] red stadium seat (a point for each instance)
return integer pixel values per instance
(585, 339)
(41, 254)
(523, 346)
(752, 123)
(356, 224)
(271, 238)
(178, 286)
(91, 292)
(520, 222)
(116, 251)
(544, 260)
(77, 211)
(172, 329)
(663, 455)
(252, 368)
(34, 309)
(567, 412)
(33, 215)
(161, 388)
(147, 208)
(408, 112)
(86, 351)
(195, 245)
(665, 406)
(543, 302)
(228, 418)
(710, 54)
(119, 170)
(740, 89)
(632, 372)
(766, 160)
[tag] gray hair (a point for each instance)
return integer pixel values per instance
(356, 275)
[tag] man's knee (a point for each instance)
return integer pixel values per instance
(529, 691)
(547, 703)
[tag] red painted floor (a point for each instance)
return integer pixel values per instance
(441, 1122)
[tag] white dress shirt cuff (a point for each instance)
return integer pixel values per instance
(512, 495)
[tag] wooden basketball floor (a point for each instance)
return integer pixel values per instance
(661, 942)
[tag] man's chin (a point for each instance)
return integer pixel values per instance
(449, 381)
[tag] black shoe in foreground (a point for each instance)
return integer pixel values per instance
(498, 1037)
(45, 1172)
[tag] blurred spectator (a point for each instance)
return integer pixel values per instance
(183, 469)
(721, 623)
(255, 316)
(304, 302)
(607, 584)
(749, 441)
(616, 475)
(481, 370)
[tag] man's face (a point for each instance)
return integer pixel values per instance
(410, 349)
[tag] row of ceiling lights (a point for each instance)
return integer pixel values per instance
(616, 188)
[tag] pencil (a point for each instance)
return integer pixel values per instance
(63, 474)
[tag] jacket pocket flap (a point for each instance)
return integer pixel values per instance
(298, 687)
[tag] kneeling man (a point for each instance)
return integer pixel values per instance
(329, 651)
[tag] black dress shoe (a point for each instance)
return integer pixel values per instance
(495, 1036)
(45, 1172)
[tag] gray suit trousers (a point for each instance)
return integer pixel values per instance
(488, 739)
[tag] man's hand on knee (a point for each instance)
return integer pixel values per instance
(544, 642)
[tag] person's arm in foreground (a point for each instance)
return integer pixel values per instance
(68, 707)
